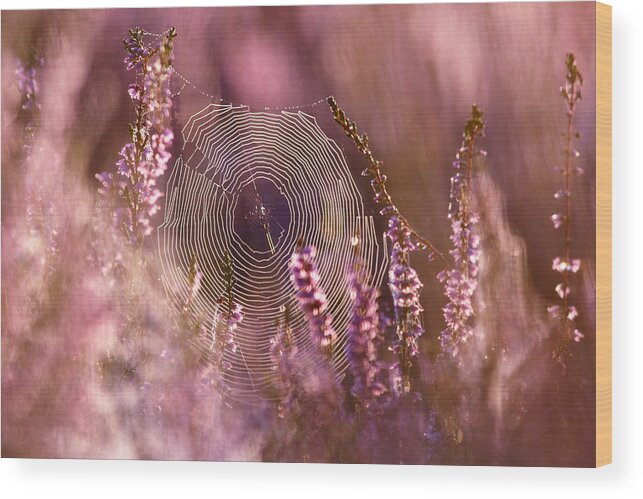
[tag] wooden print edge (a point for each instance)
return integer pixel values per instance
(603, 234)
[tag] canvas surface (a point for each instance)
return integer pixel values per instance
(204, 258)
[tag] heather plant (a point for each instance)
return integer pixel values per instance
(566, 264)
(405, 287)
(145, 157)
(403, 280)
(312, 298)
(365, 339)
(460, 281)
(158, 370)
(131, 197)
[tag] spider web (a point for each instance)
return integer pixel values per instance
(250, 184)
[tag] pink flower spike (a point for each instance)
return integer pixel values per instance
(562, 290)
(559, 265)
(135, 92)
(312, 298)
(572, 313)
(578, 336)
(571, 92)
(145, 158)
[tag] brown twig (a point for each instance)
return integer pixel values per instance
(378, 182)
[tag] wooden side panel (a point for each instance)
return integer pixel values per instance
(603, 234)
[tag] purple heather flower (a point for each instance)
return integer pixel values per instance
(571, 92)
(562, 290)
(560, 265)
(146, 158)
(27, 83)
(364, 339)
(572, 313)
(405, 287)
(137, 50)
(135, 91)
(460, 281)
(157, 94)
(312, 298)
(399, 234)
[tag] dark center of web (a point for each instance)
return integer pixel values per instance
(261, 215)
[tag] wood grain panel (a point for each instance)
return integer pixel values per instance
(603, 234)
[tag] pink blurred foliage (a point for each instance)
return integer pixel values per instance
(94, 364)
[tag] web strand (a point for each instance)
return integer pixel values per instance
(219, 100)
